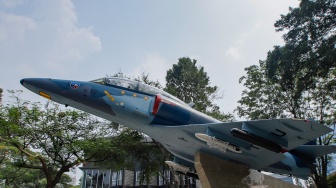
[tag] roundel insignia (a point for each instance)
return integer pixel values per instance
(74, 85)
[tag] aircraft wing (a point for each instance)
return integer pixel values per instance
(288, 133)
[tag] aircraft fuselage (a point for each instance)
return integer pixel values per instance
(164, 118)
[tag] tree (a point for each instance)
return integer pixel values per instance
(52, 140)
(13, 176)
(265, 98)
(310, 39)
(152, 163)
(298, 79)
(191, 84)
(1, 90)
(145, 79)
(306, 64)
(332, 180)
(262, 99)
(219, 115)
(322, 102)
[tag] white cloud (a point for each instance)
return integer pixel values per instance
(10, 3)
(66, 41)
(43, 38)
(44, 41)
(50, 34)
(154, 65)
(13, 28)
(233, 53)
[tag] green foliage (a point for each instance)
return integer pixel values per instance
(1, 90)
(65, 181)
(262, 99)
(52, 140)
(298, 79)
(150, 159)
(265, 98)
(305, 65)
(116, 152)
(190, 83)
(145, 79)
(13, 175)
(310, 45)
(221, 116)
(332, 180)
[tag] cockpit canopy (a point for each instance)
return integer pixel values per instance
(135, 85)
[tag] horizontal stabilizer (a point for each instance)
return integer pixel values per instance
(315, 151)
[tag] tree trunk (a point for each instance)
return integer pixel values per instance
(53, 182)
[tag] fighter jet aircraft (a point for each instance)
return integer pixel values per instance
(282, 146)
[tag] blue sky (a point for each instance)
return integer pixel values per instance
(84, 40)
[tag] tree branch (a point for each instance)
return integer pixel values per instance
(30, 166)
(18, 147)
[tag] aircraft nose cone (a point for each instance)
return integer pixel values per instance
(21, 81)
(41, 83)
(29, 81)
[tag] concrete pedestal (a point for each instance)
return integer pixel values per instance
(217, 173)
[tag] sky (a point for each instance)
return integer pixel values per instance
(85, 40)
